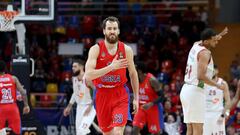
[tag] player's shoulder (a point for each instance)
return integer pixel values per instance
(205, 52)
(128, 48)
(14, 78)
(94, 49)
(96, 46)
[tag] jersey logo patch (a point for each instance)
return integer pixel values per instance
(120, 55)
(118, 118)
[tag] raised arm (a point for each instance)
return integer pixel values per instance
(23, 92)
(133, 77)
(203, 59)
(92, 73)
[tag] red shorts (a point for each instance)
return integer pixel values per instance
(10, 113)
(150, 116)
(112, 107)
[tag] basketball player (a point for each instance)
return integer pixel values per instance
(85, 113)
(9, 85)
(106, 65)
(215, 108)
(150, 96)
(199, 71)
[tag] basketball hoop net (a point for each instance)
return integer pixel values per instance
(7, 19)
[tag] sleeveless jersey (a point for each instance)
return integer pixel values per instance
(7, 89)
(146, 92)
(113, 79)
(192, 66)
(81, 91)
(214, 97)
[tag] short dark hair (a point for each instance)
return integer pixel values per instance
(3, 66)
(208, 33)
(79, 61)
(112, 19)
(215, 66)
(141, 66)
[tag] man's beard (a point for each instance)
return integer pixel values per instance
(112, 40)
(76, 73)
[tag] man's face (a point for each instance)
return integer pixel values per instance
(76, 69)
(213, 42)
(111, 32)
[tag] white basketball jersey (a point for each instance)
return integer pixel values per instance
(192, 66)
(81, 91)
(214, 97)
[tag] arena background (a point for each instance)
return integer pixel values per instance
(161, 32)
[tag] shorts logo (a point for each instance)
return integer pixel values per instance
(118, 118)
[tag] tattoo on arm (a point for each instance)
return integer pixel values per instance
(22, 91)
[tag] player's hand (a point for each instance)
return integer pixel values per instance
(135, 106)
(67, 110)
(119, 63)
(224, 32)
(147, 106)
(221, 86)
(87, 111)
(26, 109)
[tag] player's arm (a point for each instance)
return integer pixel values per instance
(221, 34)
(226, 99)
(91, 87)
(90, 67)
(133, 77)
(157, 88)
(21, 90)
(68, 109)
(203, 59)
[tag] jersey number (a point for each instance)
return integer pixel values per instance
(212, 93)
(188, 71)
(6, 94)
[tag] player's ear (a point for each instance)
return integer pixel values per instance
(118, 32)
(205, 41)
(104, 33)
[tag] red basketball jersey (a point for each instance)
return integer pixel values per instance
(113, 79)
(146, 92)
(7, 89)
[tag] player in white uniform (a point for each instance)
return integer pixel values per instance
(217, 107)
(199, 71)
(81, 95)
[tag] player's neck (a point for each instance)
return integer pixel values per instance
(215, 78)
(110, 46)
(142, 77)
(80, 76)
(205, 45)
